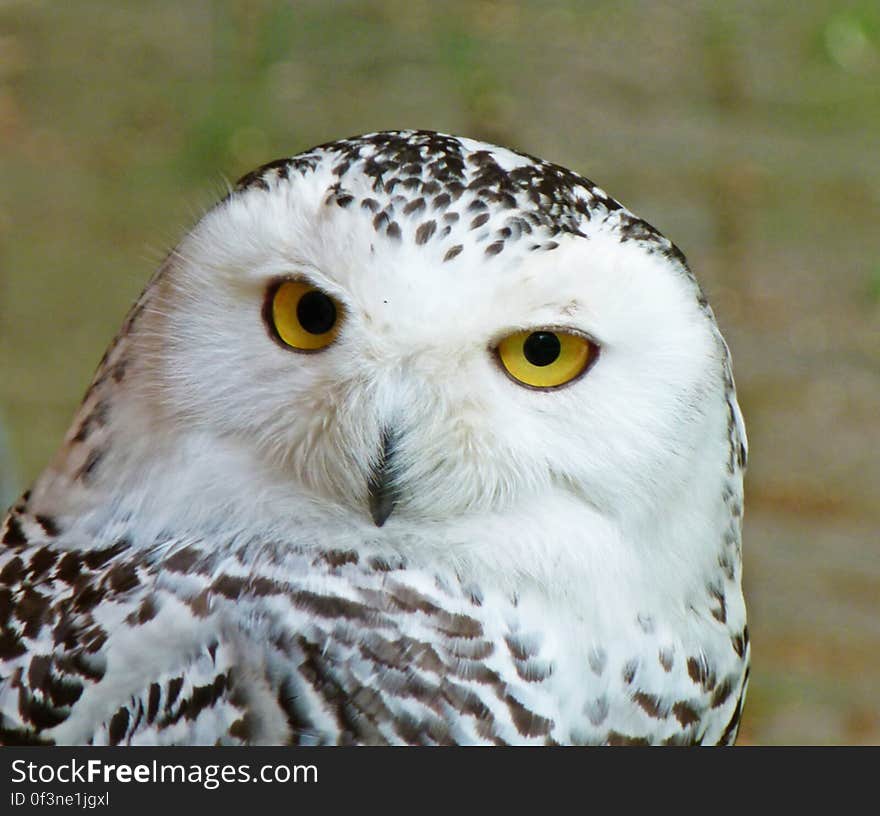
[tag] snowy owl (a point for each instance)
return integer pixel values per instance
(412, 439)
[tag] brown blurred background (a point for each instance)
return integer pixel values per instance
(748, 132)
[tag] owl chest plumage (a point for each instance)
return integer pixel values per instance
(365, 649)
(327, 646)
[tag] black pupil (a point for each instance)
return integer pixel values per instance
(316, 312)
(542, 348)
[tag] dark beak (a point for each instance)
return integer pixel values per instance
(382, 491)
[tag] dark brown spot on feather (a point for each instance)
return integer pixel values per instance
(6, 605)
(331, 606)
(32, 610)
(48, 524)
(685, 714)
(182, 561)
(618, 739)
(382, 651)
(425, 231)
(38, 670)
(518, 647)
(410, 600)
(233, 586)
(20, 737)
(203, 697)
(719, 613)
(95, 559)
(465, 701)
(62, 692)
(650, 704)
(241, 730)
(11, 645)
(12, 572)
(461, 626)
(14, 537)
(379, 564)
(339, 558)
(200, 604)
(722, 692)
(487, 730)
(478, 672)
(153, 702)
(145, 612)
(69, 567)
(416, 205)
(40, 714)
(699, 672)
(41, 561)
(527, 722)
(423, 656)
(87, 599)
(122, 578)
(118, 727)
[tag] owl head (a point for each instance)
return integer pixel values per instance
(408, 327)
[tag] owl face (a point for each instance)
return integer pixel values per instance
(409, 327)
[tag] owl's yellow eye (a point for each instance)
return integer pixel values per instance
(546, 358)
(302, 316)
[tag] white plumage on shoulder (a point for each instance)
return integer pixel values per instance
(413, 439)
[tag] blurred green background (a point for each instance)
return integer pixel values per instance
(748, 132)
